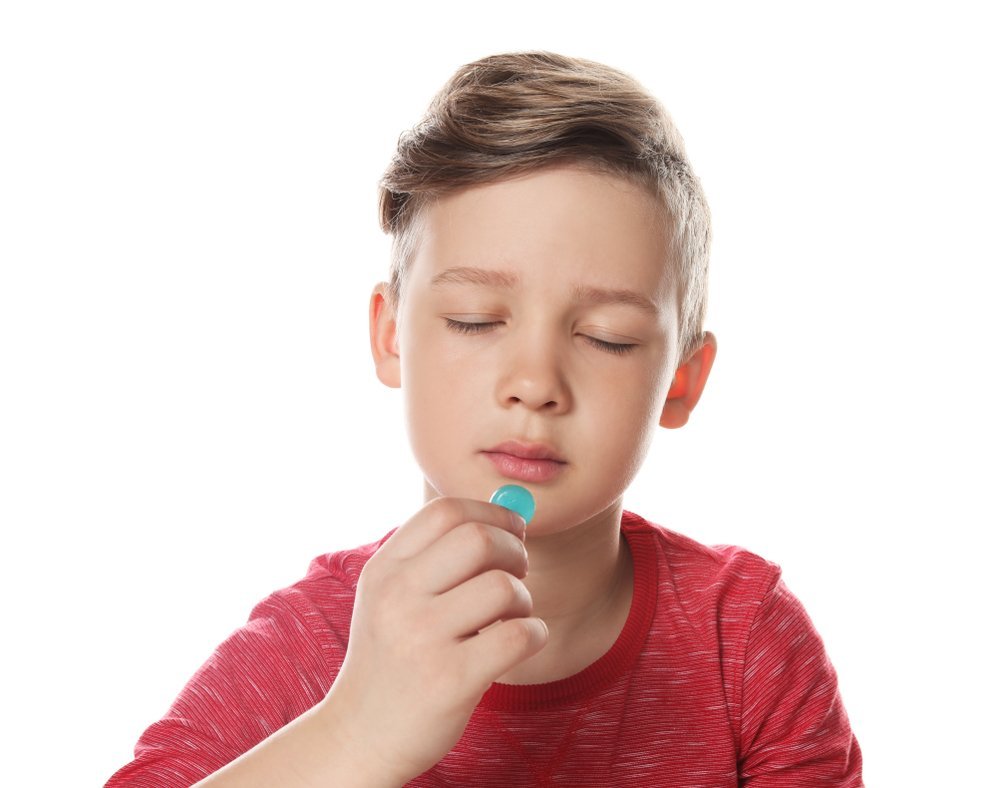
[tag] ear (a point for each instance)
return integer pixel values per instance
(382, 333)
(689, 382)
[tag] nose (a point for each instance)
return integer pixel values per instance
(534, 378)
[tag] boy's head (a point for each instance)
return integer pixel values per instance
(508, 115)
(550, 247)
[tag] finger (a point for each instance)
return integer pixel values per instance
(464, 552)
(483, 600)
(442, 515)
(499, 648)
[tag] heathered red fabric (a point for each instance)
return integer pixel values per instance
(718, 679)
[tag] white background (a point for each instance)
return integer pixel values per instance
(188, 240)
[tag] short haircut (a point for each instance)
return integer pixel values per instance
(513, 114)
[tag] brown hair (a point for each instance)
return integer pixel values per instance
(508, 115)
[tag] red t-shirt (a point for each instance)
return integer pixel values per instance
(717, 679)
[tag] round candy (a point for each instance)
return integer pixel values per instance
(515, 498)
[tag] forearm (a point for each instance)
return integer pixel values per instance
(319, 748)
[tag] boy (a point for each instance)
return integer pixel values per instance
(544, 315)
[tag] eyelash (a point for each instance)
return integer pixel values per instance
(615, 348)
(470, 328)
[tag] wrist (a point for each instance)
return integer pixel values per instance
(360, 750)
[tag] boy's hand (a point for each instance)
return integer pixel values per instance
(422, 651)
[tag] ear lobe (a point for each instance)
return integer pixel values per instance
(688, 384)
(382, 333)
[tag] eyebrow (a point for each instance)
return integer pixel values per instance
(601, 295)
(506, 280)
(475, 276)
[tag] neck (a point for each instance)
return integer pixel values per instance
(580, 582)
(571, 574)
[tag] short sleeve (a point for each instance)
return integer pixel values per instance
(793, 729)
(262, 677)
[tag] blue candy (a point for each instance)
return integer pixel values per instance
(515, 498)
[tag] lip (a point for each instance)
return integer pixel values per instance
(526, 451)
(526, 462)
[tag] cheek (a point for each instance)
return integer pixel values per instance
(631, 411)
(426, 393)
(442, 400)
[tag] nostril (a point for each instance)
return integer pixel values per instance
(541, 391)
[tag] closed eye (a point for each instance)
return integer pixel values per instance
(480, 327)
(617, 348)
(471, 327)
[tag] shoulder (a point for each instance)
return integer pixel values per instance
(708, 596)
(703, 575)
(321, 603)
(335, 572)
(780, 688)
(305, 624)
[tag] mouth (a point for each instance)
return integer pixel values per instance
(526, 462)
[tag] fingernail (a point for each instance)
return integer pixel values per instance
(519, 523)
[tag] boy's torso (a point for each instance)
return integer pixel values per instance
(716, 675)
(653, 710)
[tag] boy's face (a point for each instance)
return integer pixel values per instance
(535, 340)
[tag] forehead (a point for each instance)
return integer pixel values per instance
(567, 225)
